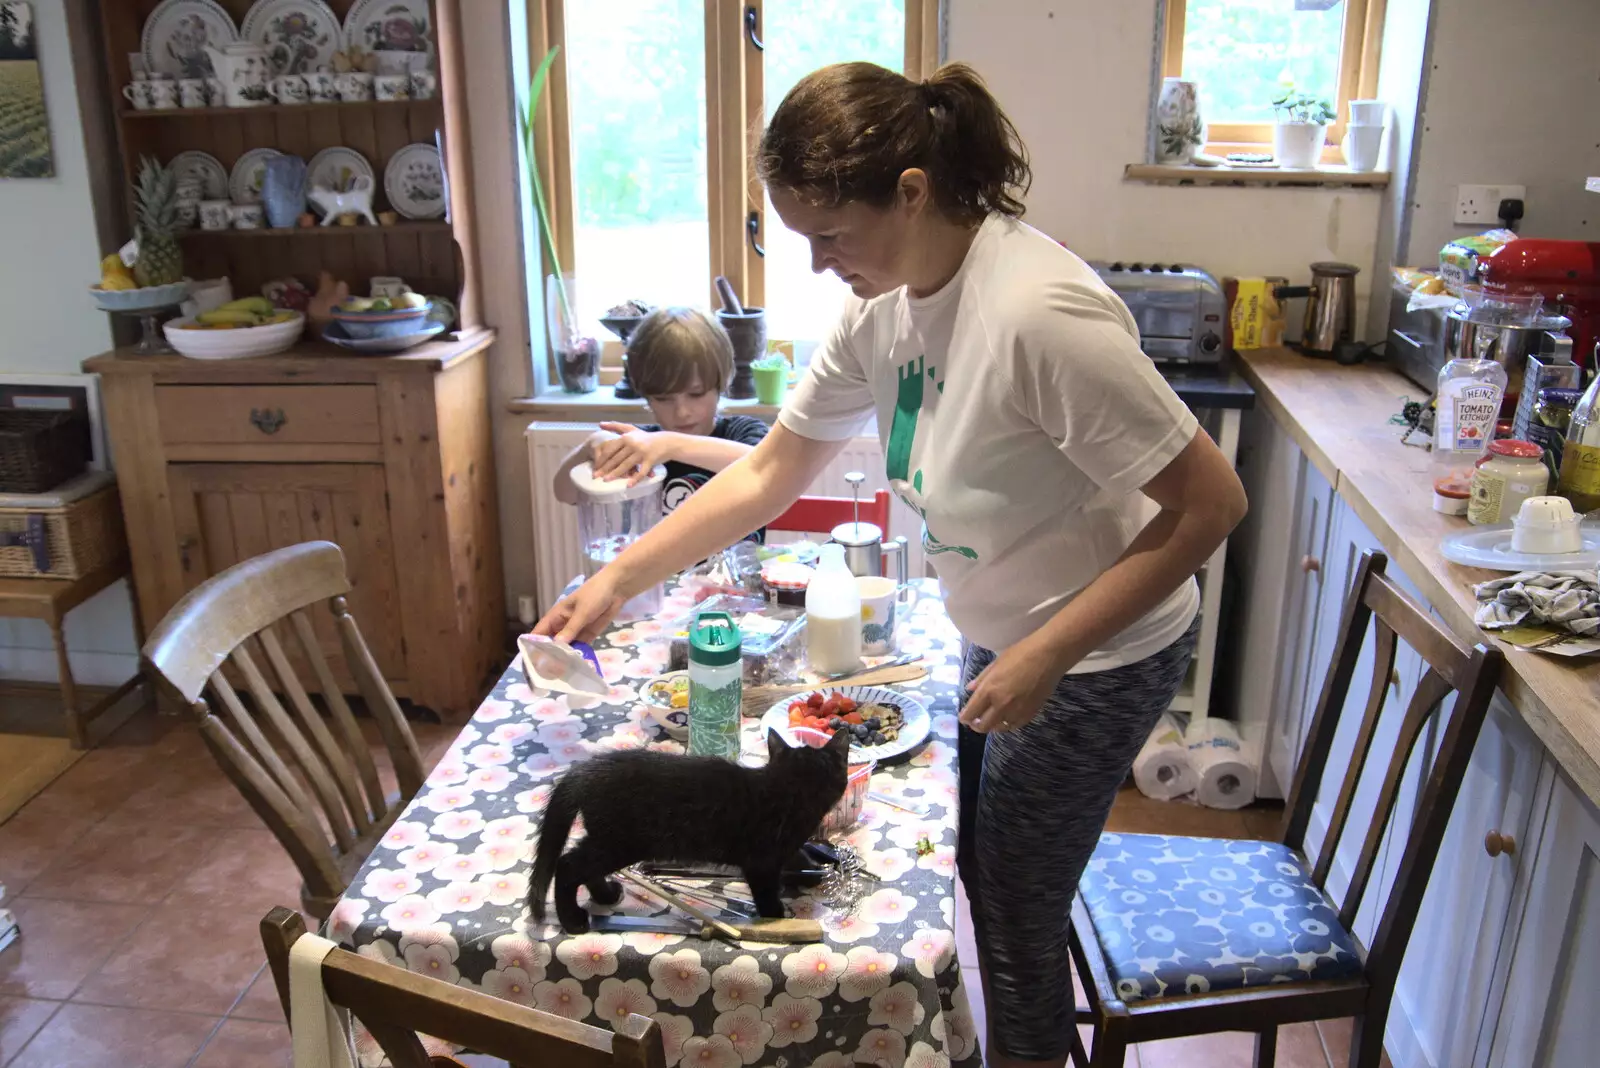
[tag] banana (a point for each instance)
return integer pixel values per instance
(254, 305)
(229, 316)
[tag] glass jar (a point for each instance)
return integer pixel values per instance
(1509, 473)
(612, 515)
(1547, 426)
(1580, 456)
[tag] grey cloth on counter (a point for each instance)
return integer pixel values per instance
(1569, 600)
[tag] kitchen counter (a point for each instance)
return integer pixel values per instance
(1340, 418)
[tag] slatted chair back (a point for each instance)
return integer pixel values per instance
(1452, 666)
(394, 1004)
(309, 775)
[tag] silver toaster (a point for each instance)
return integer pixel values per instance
(1181, 311)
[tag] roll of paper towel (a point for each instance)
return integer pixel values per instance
(1162, 769)
(1227, 777)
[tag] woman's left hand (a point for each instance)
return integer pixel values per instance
(1012, 690)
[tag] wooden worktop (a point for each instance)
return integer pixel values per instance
(1340, 417)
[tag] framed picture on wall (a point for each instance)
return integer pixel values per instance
(61, 393)
(24, 126)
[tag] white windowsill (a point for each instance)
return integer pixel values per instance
(1188, 174)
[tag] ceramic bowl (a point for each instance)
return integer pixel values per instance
(380, 346)
(147, 298)
(675, 721)
(236, 344)
(398, 322)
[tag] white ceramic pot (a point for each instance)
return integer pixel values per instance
(1179, 131)
(1298, 145)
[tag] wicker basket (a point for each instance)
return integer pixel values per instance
(69, 541)
(39, 450)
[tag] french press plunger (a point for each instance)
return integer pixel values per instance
(864, 547)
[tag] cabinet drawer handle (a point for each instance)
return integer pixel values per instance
(1495, 843)
(1309, 563)
(268, 420)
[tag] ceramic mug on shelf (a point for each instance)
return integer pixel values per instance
(163, 93)
(215, 214)
(355, 85)
(388, 285)
(188, 213)
(392, 86)
(289, 89)
(216, 93)
(322, 86)
(192, 93)
(393, 62)
(138, 94)
(247, 216)
(424, 84)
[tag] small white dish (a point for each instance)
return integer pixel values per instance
(205, 167)
(236, 344)
(1490, 548)
(1546, 525)
(414, 182)
(675, 721)
(337, 169)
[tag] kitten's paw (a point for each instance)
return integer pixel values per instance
(606, 893)
(575, 923)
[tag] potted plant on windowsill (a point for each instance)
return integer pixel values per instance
(1301, 128)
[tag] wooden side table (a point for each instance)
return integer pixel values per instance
(50, 600)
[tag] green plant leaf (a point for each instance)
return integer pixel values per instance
(527, 110)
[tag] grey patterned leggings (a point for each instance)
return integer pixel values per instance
(1033, 804)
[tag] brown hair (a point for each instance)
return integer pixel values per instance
(672, 347)
(848, 131)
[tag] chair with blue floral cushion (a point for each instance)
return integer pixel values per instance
(1180, 936)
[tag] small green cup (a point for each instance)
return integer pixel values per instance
(772, 379)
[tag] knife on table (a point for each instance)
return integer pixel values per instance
(789, 930)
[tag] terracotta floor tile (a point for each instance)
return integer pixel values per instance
(247, 1044)
(33, 837)
(1336, 1038)
(1299, 1047)
(260, 1002)
(120, 861)
(93, 1036)
(62, 943)
(203, 957)
(20, 1019)
(1135, 813)
(190, 788)
(248, 869)
(1228, 1049)
(99, 783)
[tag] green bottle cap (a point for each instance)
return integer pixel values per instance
(714, 640)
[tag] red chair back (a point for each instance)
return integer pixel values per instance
(819, 515)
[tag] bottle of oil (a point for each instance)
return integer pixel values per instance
(1580, 457)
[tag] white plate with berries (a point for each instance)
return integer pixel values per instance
(885, 723)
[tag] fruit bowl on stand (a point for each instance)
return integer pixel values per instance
(197, 342)
(146, 302)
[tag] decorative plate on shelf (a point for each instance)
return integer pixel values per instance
(177, 32)
(336, 168)
(414, 181)
(206, 167)
(299, 35)
(244, 183)
(389, 26)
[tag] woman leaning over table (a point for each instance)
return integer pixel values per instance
(1032, 435)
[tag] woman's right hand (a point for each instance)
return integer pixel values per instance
(585, 614)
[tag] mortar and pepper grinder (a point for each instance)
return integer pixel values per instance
(747, 329)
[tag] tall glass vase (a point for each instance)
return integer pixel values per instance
(577, 356)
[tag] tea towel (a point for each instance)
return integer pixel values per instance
(321, 1039)
(1567, 600)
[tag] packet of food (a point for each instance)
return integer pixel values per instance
(1256, 316)
(561, 668)
(1458, 261)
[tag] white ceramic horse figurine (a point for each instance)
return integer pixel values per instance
(357, 199)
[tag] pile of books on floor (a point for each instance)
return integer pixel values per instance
(8, 923)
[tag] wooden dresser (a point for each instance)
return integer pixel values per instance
(389, 457)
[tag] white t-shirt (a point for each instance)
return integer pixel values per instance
(1020, 418)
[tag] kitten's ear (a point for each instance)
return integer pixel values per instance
(775, 743)
(840, 742)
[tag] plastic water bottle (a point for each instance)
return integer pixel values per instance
(833, 615)
(716, 668)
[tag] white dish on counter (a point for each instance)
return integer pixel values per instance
(237, 344)
(1490, 547)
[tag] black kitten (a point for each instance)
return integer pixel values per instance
(639, 805)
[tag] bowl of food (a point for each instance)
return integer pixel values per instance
(221, 335)
(846, 812)
(667, 698)
(362, 317)
(884, 724)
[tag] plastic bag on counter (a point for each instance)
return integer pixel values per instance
(773, 635)
(1458, 261)
(734, 570)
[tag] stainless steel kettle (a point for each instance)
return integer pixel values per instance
(864, 547)
(1330, 321)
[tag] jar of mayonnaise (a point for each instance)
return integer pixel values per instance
(1509, 473)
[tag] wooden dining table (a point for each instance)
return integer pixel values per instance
(444, 894)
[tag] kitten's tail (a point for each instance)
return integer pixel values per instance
(559, 813)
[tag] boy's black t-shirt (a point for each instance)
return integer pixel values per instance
(683, 479)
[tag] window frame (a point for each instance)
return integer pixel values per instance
(1359, 50)
(734, 113)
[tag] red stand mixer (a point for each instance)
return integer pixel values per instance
(1565, 273)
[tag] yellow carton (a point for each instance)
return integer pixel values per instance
(1256, 317)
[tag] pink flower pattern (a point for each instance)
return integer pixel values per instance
(446, 895)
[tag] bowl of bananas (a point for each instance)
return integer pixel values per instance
(250, 326)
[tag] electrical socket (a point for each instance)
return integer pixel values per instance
(1480, 204)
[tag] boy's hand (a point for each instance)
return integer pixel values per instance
(633, 454)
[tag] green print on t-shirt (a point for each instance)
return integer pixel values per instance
(908, 405)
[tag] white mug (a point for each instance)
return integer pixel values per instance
(247, 216)
(1361, 146)
(289, 89)
(881, 600)
(192, 93)
(188, 213)
(163, 93)
(392, 86)
(138, 94)
(216, 93)
(355, 85)
(1368, 112)
(424, 84)
(321, 86)
(387, 285)
(390, 62)
(215, 214)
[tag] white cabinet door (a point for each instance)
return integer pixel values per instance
(1550, 1017)
(1449, 983)
(1302, 613)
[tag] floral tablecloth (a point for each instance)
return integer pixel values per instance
(444, 894)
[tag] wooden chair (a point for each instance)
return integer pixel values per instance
(819, 515)
(1179, 877)
(311, 779)
(395, 1004)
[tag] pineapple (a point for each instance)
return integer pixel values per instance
(156, 204)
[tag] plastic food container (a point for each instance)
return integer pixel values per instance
(1546, 525)
(786, 582)
(667, 698)
(847, 812)
(612, 515)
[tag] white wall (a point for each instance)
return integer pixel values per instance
(1513, 95)
(1075, 76)
(50, 254)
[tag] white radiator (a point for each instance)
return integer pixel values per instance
(555, 526)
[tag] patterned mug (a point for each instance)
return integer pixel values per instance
(192, 93)
(355, 85)
(163, 93)
(392, 86)
(289, 89)
(424, 84)
(216, 93)
(881, 600)
(138, 94)
(215, 214)
(247, 216)
(322, 86)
